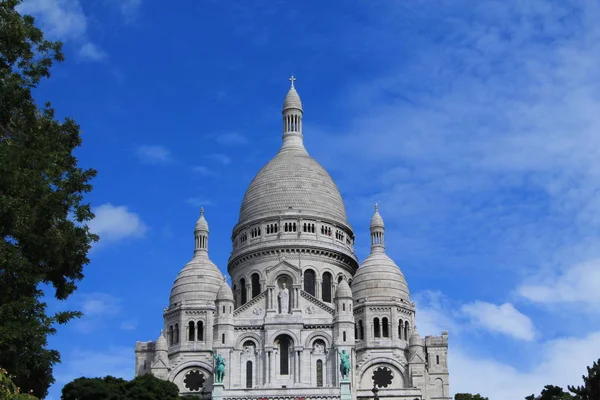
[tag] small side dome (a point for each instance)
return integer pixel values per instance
(415, 339)
(225, 293)
(379, 278)
(161, 343)
(343, 290)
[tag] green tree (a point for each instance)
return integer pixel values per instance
(551, 392)
(144, 387)
(591, 384)
(469, 396)
(44, 239)
(10, 391)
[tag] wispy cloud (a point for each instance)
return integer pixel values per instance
(129, 325)
(113, 223)
(114, 361)
(95, 304)
(203, 170)
(199, 202)
(576, 286)
(220, 158)
(129, 9)
(91, 52)
(231, 139)
(64, 20)
(504, 319)
(153, 154)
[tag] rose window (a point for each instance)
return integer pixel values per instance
(382, 377)
(194, 380)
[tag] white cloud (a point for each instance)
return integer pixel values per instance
(128, 325)
(203, 170)
(220, 158)
(504, 319)
(577, 285)
(114, 361)
(129, 8)
(472, 372)
(113, 223)
(64, 20)
(560, 362)
(199, 202)
(231, 139)
(154, 154)
(90, 51)
(97, 304)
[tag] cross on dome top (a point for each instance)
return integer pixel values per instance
(292, 79)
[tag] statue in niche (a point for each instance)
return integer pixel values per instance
(319, 347)
(284, 299)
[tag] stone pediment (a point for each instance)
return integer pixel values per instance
(416, 359)
(255, 308)
(158, 363)
(283, 266)
(314, 306)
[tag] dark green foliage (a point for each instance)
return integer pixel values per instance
(144, 387)
(43, 237)
(469, 396)
(591, 384)
(551, 392)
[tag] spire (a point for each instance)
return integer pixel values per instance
(201, 234)
(377, 230)
(292, 119)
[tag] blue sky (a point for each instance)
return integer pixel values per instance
(474, 124)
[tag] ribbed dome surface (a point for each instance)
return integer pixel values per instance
(343, 290)
(225, 292)
(293, 180)
(379, 277)
(292, 100)
(198, 282)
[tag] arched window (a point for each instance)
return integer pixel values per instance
(235, 295)
(437, 360)
(200, 331)
(319, 373)
(406, 330)
(284, 353)
(384, 327)
(343, 306)
(191, 331)
(222, 338)
(243, 290)
(376, 327)
(326, 287)
(170, 335)
(176, 334)
(356, 331)
(340, 279)
(248, 374)
(400, 326)
(255, 279)
(309, 281)
(361, 330)
(344, 336)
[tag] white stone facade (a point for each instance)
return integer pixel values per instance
(298, 299)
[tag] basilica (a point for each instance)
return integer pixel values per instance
(302, 318)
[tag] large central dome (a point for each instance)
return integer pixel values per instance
(292, 181)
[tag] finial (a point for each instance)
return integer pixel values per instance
(292, 79)
(201, 211)
(376, 207)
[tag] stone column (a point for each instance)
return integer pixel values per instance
(318, 288)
